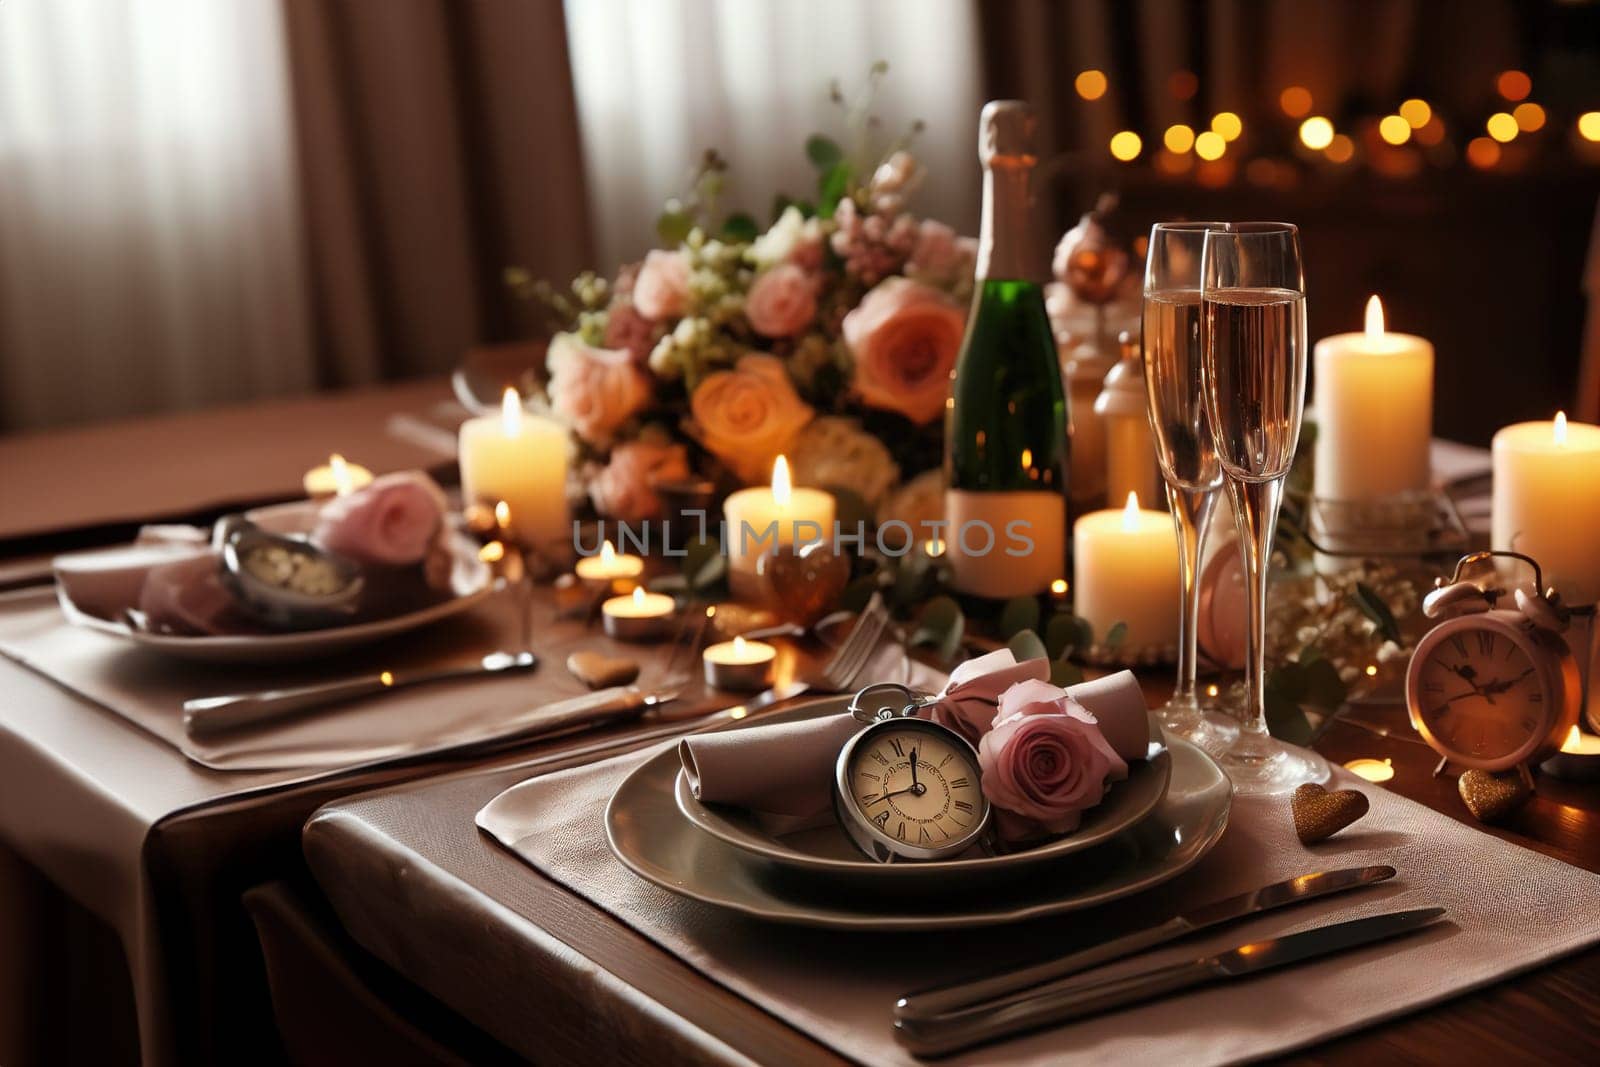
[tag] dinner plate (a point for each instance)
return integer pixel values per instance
(652, 837)
(470, 582)
(826, 852)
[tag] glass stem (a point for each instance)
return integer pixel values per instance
(1191, 516)
(1255, 510)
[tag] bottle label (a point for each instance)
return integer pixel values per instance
(1003, 545)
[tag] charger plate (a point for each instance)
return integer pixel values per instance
(653, 838)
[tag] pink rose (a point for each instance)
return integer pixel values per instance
(905, 337)
(1045, 762)
(941, 257)
(594, 389)
(748, 415)
(625, 488)
(628, 330)
(661, 289)
(393, 521)
(782, 302)
(970, 699)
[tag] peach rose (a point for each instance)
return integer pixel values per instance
(394, 521)
(625, 488)
(661, 290)
(748, 415)
(941, 257)
(594, 389)
(905, 337)
(782, 302)
(627, 329)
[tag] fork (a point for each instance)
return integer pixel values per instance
(623, 699)
(839, 674)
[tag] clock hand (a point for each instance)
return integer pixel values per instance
(1498, 687)
(916, 787)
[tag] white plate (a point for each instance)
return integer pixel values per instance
(826, 851)
(648, 833)
(470, 579)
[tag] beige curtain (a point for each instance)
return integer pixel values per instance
(438, 144)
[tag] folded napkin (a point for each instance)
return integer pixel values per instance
(787, 768)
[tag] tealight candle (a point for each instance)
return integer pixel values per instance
(760, 519)
(337, 477)
(639, 616)
(610, 569)
(1374, 410)
(521, 459)
(739, 664)
(1578, 760)
(1373, 770)
(1546, 501)
(1125, 569)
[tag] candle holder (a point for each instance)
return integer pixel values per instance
(1417, 524)
(640, 617)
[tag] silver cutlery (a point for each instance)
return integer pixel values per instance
(1040, 1008)
(972, 998)
(206, 716)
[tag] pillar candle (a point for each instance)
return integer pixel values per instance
(1125, 569)
(520, 459)
(1374, 410)
(1546, 501)
(750, 512)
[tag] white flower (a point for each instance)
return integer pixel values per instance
(774, 246)
(836, 451)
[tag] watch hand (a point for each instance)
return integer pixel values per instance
(1501, 687)
(916, 786)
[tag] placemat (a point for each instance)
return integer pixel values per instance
(1510, 909)
(148, 689)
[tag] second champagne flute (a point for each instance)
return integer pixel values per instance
(1172, 345)
(1253, 306)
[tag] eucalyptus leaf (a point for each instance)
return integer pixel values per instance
(1373, 607)
(913, 580)
(1288, 681)
(740, 227)
(824, 152)
(1286, 721)
(851, 509)
(940, 625)
(1116, 635)
(1324, 688)
(831, 188)
(1063, 673)
(858, 592)
(703, 564)
(1018, 614)
(673, 226)
(1026, 645)
(1066, 633)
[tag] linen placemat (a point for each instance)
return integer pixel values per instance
(148, 689)
(1509, 909)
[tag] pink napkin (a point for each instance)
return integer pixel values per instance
(107, 582)
(787, 769)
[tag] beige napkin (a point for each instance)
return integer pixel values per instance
(1509, 909)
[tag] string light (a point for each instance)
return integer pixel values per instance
(1395, 129)
(1227, 125)
(1416, 112)
(1179, 138)
(1210, 146)
(1513, 85)
(1091, 84)
(1126, 145)
(1295, 101)
(1502, 127)
(1316, 133)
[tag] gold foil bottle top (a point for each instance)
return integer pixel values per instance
(1005, 134)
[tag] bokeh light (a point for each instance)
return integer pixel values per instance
(1416, 112)
(1091, 84)
(1431, 132)
(1530, 117)
(1295, 101)
(1174, 163)
(1502, 127)
(1316, 133)
(1483, 153)
(1394, 129)
(1340, 150)
(1183, 84)
(1227, 125)
(1589, 125)
(1210, 145)
(1513, 85)
(1179, 138)
(1126, 146)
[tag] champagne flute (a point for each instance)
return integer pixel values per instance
(1253, 374)
(1171, 339)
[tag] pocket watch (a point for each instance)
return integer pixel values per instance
(907, 788)
(1491, 688)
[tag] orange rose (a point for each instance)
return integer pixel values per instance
(748, 415)
(905, 337)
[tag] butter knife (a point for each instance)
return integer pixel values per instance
(1039, 1008)
(972, 997)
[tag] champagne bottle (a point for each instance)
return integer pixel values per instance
(1006, 447)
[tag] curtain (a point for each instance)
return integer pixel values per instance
(438, 146)
(660, 81)
(150, 247)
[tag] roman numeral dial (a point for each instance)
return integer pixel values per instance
(918, 784)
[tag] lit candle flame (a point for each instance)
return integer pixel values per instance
(1574, 739)
(934, 547)
(1374, 317)
(493, 552)
(342, 482)
(502, 515)
(608, 555)
(638, 596)
(738, 648)
(1130, 513)
(780, 482)
(511, 412)
(1559, 431)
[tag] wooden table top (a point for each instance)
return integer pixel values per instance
(597, 980)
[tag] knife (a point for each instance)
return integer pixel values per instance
(975, 995)
(1034, 1009)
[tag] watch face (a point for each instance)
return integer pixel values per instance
(917, 784)
(1479, 694)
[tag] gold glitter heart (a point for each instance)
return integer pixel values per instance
(1491, 797)
(1319, 814)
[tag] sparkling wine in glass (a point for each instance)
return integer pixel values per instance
(1172, 343)
(1253, 374)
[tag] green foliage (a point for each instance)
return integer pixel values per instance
(1021, 614)
(740, 227)
(704, 565)
(1066, 633)
(1373, 607)
(823, 152)
(1116, 635)
(1026, 645)
(832, 187)
(673, 227)
(941, 626)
